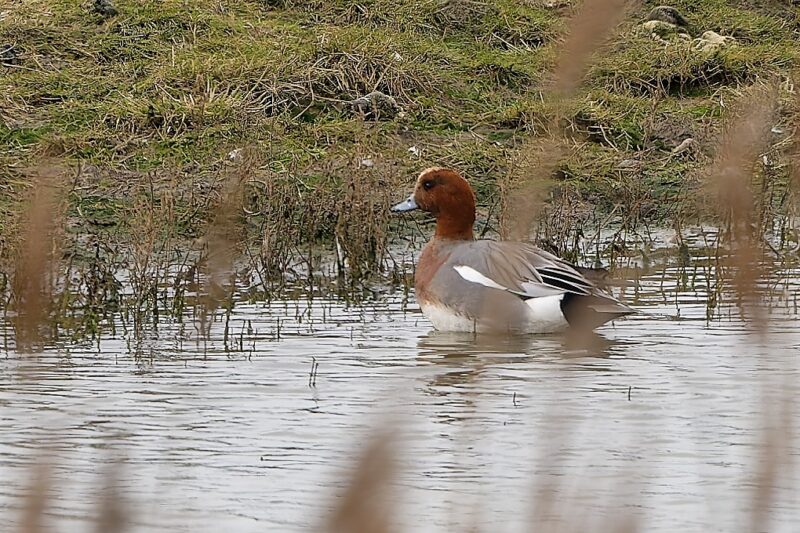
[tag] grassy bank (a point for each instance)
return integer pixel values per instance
(153, 115)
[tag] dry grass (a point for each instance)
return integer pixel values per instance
(151, 219)
(346, 198)
(168, 92)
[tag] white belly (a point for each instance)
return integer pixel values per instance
(542, 315)
(445, 319)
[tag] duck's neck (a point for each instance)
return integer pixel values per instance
(455, 228)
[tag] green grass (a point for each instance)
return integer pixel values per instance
(171, 87)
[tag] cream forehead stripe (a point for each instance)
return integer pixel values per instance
(429, 170)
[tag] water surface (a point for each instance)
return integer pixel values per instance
(662, 420)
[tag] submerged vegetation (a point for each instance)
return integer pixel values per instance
(187, 148)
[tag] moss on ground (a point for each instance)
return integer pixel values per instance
(170, 89)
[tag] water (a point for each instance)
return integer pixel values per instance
(662, 421)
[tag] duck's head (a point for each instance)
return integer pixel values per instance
(446, 195)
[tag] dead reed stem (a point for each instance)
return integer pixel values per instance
(731, 175)
(112, 513)
(523, 196)
(776, 456)
(35, 503)
(33, 262)
(365, 507)
(225, 232)
(589, 28)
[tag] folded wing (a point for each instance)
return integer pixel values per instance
(520, 269)
(529, 272)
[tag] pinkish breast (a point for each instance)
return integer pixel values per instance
(431, 259)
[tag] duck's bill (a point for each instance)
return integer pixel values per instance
(407, 205)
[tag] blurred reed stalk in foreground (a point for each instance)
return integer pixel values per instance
(35, 251)
(776, 457)
(525, 190)
(35, 501)
(731, 178)
(112, 511)
(225, 231)
(223, 245)
(366, 505)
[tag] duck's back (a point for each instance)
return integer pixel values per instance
(506, 286)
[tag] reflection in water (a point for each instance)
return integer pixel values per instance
(218, 434)
(448, 344)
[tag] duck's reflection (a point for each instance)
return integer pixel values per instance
(476, 364)
(449, 346)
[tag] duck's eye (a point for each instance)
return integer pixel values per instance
(428, 185)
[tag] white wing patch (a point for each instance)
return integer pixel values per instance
(530, 289)
(472, 275)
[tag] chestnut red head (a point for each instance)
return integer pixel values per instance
(447, 196)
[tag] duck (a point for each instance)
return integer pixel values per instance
(474, 285)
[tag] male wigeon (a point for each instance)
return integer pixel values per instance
(464, 284)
